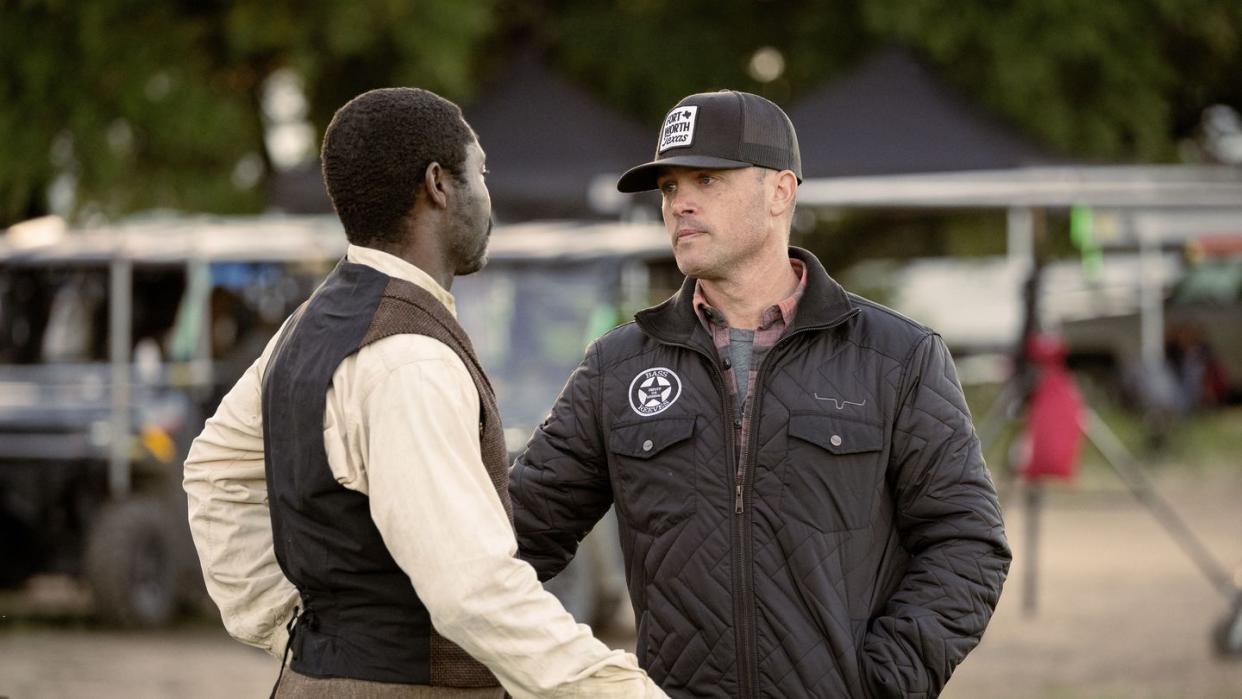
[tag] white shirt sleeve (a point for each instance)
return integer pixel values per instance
(444, 524)
(226, 489)
(414, 449)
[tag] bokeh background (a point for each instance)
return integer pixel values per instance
(997, 170)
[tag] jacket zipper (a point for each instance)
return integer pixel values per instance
(739, 477)
(743, 598)
(744, 604)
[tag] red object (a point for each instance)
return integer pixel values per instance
(1053, 432)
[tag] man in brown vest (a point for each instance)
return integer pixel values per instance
(353, 485)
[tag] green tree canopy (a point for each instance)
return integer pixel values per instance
(154, 105)
(141, 105)
(1119, 81)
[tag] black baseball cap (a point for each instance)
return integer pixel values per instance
(720, 130)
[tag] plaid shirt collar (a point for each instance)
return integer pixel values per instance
(773, 321)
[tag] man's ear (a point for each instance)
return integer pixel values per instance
(434, 185)
(785, 193)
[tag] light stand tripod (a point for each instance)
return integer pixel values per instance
(1132, 474)
(1008, 408)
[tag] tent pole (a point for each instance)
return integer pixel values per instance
(119, 336)
(1020, 239)
(1150, 293)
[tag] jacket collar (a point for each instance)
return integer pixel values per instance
(824, 303)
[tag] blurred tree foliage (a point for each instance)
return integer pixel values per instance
(156, 104)
(1108, 80)
(147, 105)
(1112, 80)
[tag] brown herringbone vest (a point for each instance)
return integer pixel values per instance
(408, 309)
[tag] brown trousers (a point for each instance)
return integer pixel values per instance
(297, 686)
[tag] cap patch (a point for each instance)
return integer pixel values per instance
(678, 130)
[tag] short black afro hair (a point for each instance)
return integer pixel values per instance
(376, 150)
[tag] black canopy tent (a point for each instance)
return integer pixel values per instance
(892, 115)
(553, 150)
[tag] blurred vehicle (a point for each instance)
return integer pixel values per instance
(976, 305)
(1203, 331)
(116, 343)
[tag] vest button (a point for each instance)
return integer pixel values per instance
(647, 445)
(835, 440)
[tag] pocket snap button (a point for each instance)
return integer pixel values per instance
(835, 440)
(647, 445)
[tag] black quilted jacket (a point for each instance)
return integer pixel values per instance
(858, 551)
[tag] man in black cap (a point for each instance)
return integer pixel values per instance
(804, 509)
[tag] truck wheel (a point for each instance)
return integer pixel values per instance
(19, 551)
(131, 564)
(1228, 634)
(592, 586)
(576, 585)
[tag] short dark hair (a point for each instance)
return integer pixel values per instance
(376, 150)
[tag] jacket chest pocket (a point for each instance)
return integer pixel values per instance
(655, 466)
(832, 470)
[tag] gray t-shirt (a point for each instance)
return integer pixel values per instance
(741, 344)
